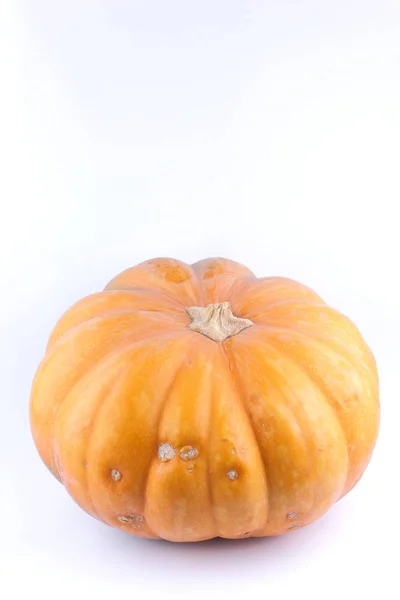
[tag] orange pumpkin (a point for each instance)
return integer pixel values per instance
(188, 402)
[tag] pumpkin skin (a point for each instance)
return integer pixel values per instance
(160, 431)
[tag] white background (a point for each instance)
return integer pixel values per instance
(263, 131)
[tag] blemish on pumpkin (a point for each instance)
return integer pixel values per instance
(232, 474)
(125, 519)
(188, 453)
(294, 526)
(116, 475)
(190, 468)
(174, 273)
(216, 268)
(166, 452)
(138, 517)
(293, 515)
(213, 270)
(135, 518)
(177, 275)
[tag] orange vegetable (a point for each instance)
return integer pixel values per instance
(188, 402)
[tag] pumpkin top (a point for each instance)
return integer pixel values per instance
(216, 321)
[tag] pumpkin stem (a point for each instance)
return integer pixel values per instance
(216, 321)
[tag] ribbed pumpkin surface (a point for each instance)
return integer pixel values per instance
(163, 432)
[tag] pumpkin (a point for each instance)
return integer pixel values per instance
(190, 402)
